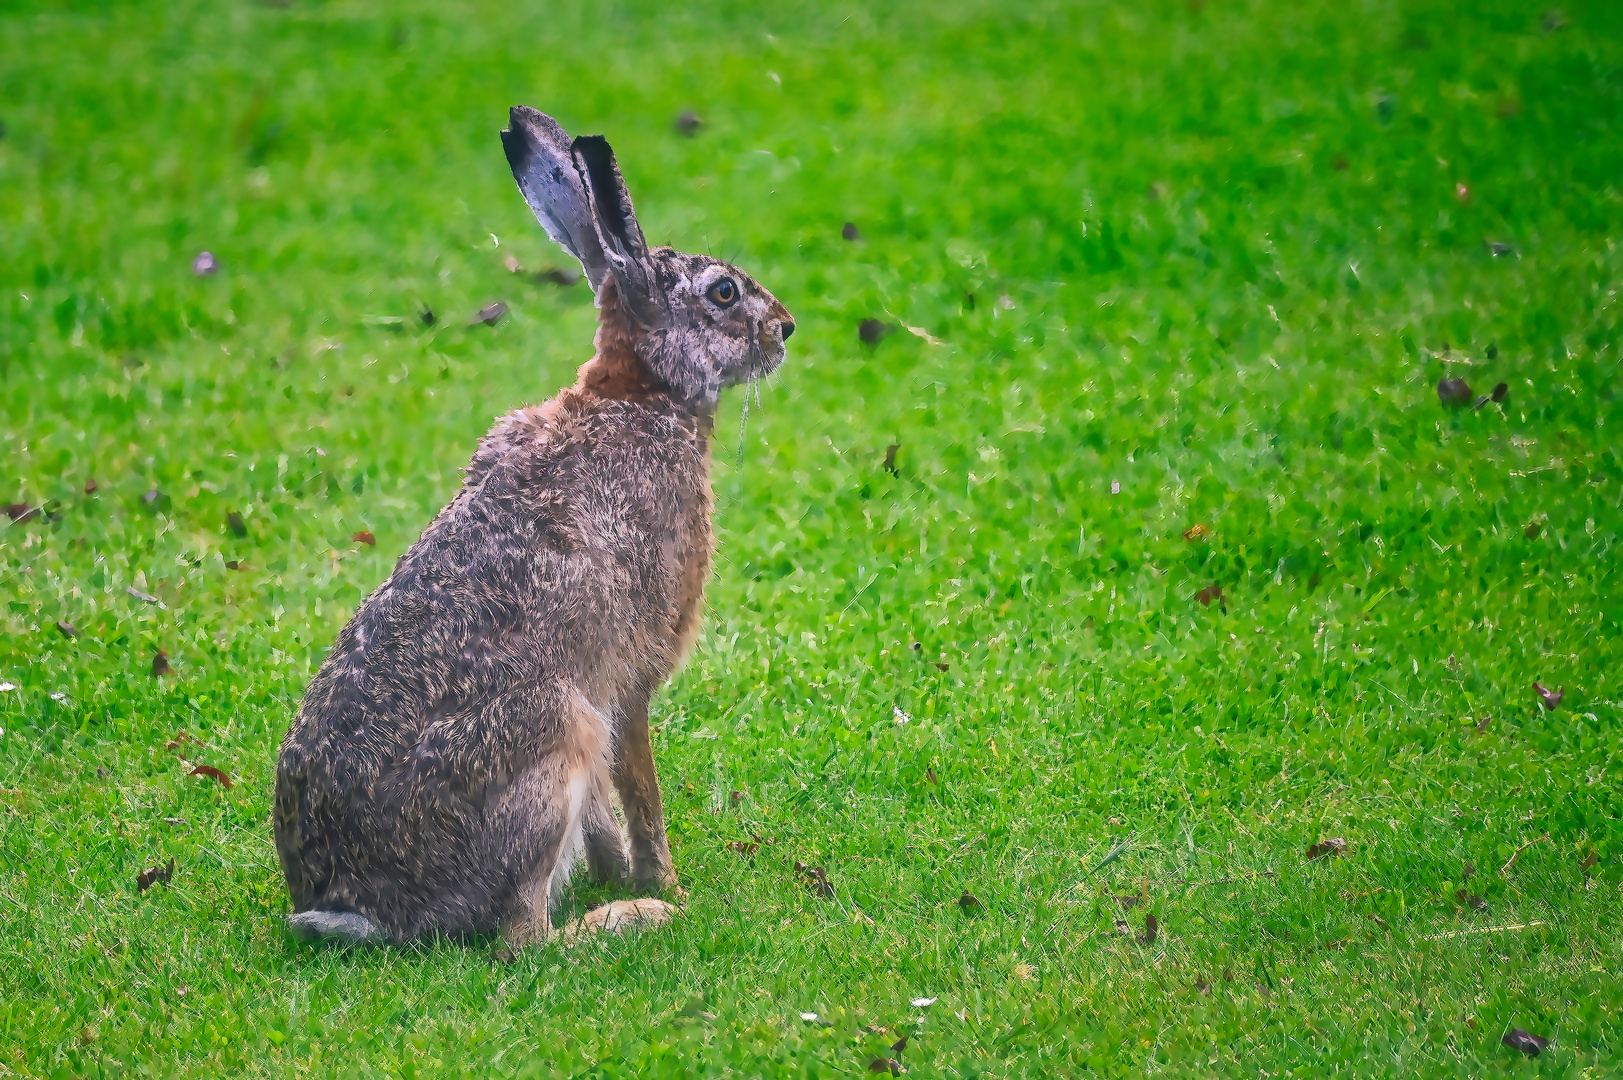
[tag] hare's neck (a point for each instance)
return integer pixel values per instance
(616, 372)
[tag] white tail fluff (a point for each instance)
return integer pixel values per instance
(344, 925)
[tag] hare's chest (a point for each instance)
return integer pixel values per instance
(693, 572)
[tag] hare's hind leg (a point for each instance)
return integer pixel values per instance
(544, 811)
(550, 812)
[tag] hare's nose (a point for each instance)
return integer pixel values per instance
(788, 328)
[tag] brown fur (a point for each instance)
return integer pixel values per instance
(459, 744)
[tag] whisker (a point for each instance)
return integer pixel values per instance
(743, 422)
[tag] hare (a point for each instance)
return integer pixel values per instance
(456, 752)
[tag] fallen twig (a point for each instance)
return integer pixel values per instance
(1521, 849)
(1110, 857)
(1483, 930)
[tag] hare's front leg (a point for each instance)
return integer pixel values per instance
(638, 785)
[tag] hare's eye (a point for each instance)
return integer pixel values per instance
(723, 292)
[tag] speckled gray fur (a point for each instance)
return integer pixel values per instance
(464, 740)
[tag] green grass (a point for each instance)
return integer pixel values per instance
(1213, 255)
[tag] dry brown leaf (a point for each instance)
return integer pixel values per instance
(213, 773)
(871, 330)
(365, 537)
(489, 315)
(154, 875)
(814, 878)
(182, 739)
(1327, 848)
(1454, 392)
(160, 665)
(1525, 1041)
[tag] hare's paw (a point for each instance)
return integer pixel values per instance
(334, 926)
(617, 916)
(654, 872)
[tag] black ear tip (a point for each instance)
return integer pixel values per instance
(517, 148)
(595, 149)
(525, 115)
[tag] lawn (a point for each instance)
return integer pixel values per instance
(1181, 565)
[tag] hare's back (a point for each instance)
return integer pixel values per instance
(582, 533)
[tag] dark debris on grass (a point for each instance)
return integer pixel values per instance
(1525, 1041)
(869, 331)
(814, 878)
(1332, 847)
(489, 315)
(1454, 392)
(155, 875)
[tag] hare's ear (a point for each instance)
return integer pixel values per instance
(617, 230)
(544, 166)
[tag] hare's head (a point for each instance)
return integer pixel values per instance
(699, 324)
